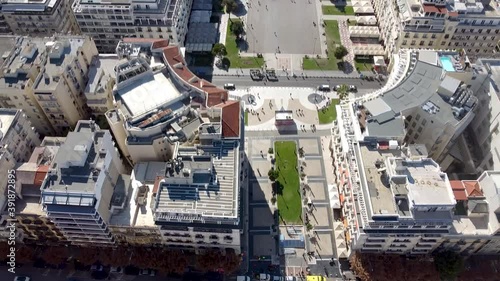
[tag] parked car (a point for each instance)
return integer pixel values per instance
(337, 88)
(96, 267)
(131, 270)
(22, 278)
(353, 88)
(116, 269)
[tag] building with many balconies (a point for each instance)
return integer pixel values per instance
(469, 25)
(46, 77)
(38, 17)
(83, 185)
(109, 22)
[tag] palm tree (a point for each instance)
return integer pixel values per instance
(343, 91)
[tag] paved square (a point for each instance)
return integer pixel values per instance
(261, 166)
(258, 145)
(262, 216)
(317, 190)
(261, 191)
(319, 216)
(263, 245)
(310, 146)
(283, 24)
(313, 168)
(324, 243)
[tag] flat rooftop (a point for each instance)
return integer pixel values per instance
(102, 66)
(27, 5)
(53, 54)
(148, 92)
(426, 183)
(378, 190)
(29, 206)
(7, 43)
(7, 116)
(205, 183)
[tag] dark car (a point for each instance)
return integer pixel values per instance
(99, 275)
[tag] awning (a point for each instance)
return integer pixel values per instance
(363, 10)
(368, 49)
(364, 31)
(334, 196)
(366, 20)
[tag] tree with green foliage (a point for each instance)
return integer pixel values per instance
(340, 52)
(273, 174)
(448, 264)
(343, 91)
(237, 28)
(219, 50)
(230, 5)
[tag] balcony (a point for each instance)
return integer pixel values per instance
(228, 238)
(214, 237)
(199, 236)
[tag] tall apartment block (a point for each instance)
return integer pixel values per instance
(32, 223)
(39, 17)
(46, 77)
(439, 24)
(482, 139)
(18, 138)
(109, 22)
(80, 183)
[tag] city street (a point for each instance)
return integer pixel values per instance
(246, 81)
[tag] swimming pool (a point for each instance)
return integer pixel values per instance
(447, 64)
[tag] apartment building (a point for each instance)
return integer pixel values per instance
(458, 24)
(111, 21)
(481, 142)
(99, 89)
(395, 201)
(31, 221)
(38, 17)
(46, 77)
(17, 139)
(4, 27)
(476, 225)
(158, 101)
(78, 193)
(431, 105)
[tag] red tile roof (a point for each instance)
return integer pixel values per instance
(157, 184)
(40, 174)
(230, 118)
(175, 60)
(473, 189)
(159, 44)
(458, 190)
(429, 8)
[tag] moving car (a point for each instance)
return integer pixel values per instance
(324, 88)
(229, 86)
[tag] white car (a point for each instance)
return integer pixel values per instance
(22, 278)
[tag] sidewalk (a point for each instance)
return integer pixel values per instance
(299, 74)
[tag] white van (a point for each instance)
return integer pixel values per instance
(325, 88)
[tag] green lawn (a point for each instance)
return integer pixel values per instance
(246, 118)
(327, 115)
(364, 65)
(232, 53)
(352, 23)
(337, 10)
(289, 199)
(332, 40)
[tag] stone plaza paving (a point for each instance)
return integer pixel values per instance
(279, 26)
(263, 239)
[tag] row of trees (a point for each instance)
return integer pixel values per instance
(162, 259)
(444, 265)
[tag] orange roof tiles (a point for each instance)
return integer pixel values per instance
(473, 189)
(159, 44)
(230, 119)
(458, 190)
(40, 175)
(429, 8)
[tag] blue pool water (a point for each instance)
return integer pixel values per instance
(447, 64)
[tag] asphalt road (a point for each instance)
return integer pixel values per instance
(246, 81)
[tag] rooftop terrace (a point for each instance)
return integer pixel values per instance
(201, 184)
